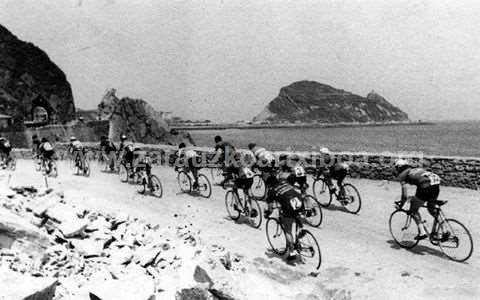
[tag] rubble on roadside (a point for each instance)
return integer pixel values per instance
(83, 254)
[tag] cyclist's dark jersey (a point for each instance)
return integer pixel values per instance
(289, 199)
(419, 177)
(36, 144)
(108, 146)
(228, 150)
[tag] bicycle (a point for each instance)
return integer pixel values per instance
(146, 181)
(185, 182)
(351, 200)
(9, 162)
(48, 167)
(217, 175)
(448, 234)
(82, 168)
(312, 210)
(304, 241)
(246, 206)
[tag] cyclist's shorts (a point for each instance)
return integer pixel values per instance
(338, 173)
(429, 194)
(301, 181)
(7, 150)
(244, 183)
(48, 154)
(129, 157)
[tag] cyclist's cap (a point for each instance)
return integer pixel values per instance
(181, 145)
(103, 137)
(44, 140)
(251, 146)
(123, 137)
(34, 136)
(73, 138)
(218, 138)
(402, 163)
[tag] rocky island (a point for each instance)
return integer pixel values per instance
(310, 101)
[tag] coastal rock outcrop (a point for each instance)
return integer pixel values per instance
(310, 101)
(32, 87)
(137, 119)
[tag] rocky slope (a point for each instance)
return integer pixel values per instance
(28, 78)
(308, 101)
(137, 119)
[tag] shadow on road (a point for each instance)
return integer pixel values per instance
(419, 249)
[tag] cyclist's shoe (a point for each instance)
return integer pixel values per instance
(421, 237)
(436, 236)
(333, 190)
(398, 204)
(292, 255)
(267, 213)
(253, 213)
(195, 186)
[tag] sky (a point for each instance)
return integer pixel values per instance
(226, 60)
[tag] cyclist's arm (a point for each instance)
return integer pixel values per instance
(404, 192)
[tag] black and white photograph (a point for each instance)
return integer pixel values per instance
(239, 149)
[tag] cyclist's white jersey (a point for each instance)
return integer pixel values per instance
(77, 145)
(264, 155)
(187, 153)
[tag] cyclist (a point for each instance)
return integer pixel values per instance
(46, 153)
(332, 169)
(141, 161)
(291, 205)
(5, 150)
(226, 156)
(428, 189)
(108, 151)
(126, 150)
(76, 149)
(35, 145)
(264, 159)
(297, 175)
(190, 160)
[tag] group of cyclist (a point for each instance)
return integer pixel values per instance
(286, 181)
(285, 178)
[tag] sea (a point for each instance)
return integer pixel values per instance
(452, 138)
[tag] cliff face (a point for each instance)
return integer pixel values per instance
(137, 119)
(31, 85)
(308, 101)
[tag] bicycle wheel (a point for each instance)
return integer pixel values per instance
(254, 213)
(259, 188)
(403, 229)
(232, 205)
(456, 241)
(123, 173)
(276, 236)
(217, 175)
(184, 182)
(313, 215)
(156, 188)
(37, 163)
(321, 191)
(86, 168)
(204, 187)
(352, 201)
(308, 248)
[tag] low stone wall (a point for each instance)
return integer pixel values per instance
(454, 171)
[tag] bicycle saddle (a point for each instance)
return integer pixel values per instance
(440, 202)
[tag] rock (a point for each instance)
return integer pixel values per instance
(18, 234)
(73, 228)
(121, 256)
(30, 80)
(220, 295)
(146, 256)
(312, 101)
(16, 286)
(201, 276)
(194, 293)
(139, 286)
(61, 213)
(226, 261)
(88, 248)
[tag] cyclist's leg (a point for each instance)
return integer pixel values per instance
(415, 204)
(340, 176)
(287, 223)
(431, 194)
(194, 170)
(327, 174)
